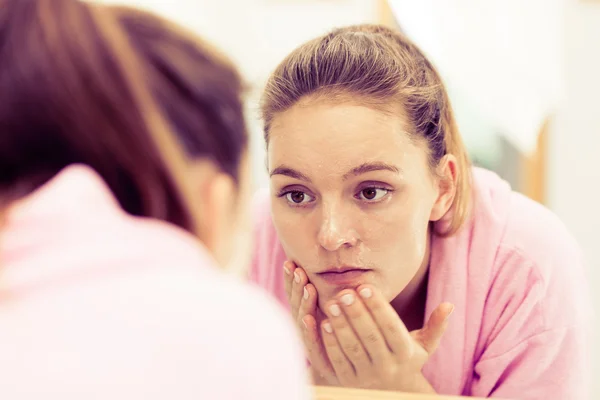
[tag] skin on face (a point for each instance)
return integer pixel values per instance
(225, 222)
(351, 188)
(237, 241)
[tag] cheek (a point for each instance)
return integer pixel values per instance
(418, 225)
(297, 235)
(240, 252)
(399, 238)
(399, 249)
(239, 240)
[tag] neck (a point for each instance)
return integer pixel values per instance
(410, 303)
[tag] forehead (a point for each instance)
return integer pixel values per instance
(317, 134)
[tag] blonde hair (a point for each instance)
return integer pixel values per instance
(379, 67)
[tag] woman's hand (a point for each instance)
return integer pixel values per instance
(369, 346)
(302, 297)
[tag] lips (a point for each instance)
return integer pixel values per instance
(344, 275)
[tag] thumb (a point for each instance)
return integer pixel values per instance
(429, 337)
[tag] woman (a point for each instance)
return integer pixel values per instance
(106, 291)
(377, 229)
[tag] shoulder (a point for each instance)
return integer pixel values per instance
(524, 229)
(534, 251)
(520, 225)
(244, 314)
(538, 234)
(234, 339)
(160, 324)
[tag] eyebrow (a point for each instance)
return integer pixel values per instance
(370, 167)
(361, 169)
(292, 173)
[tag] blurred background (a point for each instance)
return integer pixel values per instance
(524, 78)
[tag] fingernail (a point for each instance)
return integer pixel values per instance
(296, 277)
(335, 310)
(366, 293)
(304, 323)
(451, 310)
(327, 327)
(305, 294)
(286, 269)
(347, 299)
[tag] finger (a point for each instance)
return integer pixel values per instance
(316, 351)
(365, 327)
(391, 326)
(349, 343)
(298, 283)
(429, 337)
(341, 365)
(288, 278)
(308, 303)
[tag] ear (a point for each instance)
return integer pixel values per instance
(446, 183)
(218, 196)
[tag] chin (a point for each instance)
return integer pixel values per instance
(321, 305)
(325, 296)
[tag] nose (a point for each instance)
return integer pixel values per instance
(336, 229)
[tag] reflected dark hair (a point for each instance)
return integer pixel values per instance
(196, 87)
(82, 83)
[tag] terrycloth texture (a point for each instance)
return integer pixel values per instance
(97, 304)
(516, 277)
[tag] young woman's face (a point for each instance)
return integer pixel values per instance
(350, 190)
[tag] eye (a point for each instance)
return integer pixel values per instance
(372, 194)
(297, 197)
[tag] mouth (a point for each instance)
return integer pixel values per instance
(344, 275)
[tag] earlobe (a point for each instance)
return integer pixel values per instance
(446, 185)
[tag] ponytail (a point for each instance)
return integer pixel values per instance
(455, 146)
